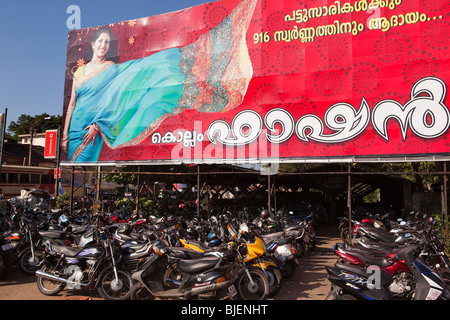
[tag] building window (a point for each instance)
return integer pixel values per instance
(24, 178)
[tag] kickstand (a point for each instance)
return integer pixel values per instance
(333, 290)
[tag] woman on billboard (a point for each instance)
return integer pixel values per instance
(123, 104)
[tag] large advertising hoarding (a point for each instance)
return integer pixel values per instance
(256, 81)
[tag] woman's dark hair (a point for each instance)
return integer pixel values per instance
(111, 55)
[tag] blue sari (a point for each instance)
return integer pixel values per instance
(127, 102)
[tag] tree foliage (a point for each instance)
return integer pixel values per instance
(121, 178)
(40, 123)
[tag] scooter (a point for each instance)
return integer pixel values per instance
(201, 278)
(351, 282)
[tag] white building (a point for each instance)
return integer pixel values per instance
(38, 139)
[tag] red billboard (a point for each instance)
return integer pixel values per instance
(254, 81)
(51, 140)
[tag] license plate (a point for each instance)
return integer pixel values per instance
(232, 290)
(7, 246)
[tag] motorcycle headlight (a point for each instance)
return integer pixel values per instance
(243, 250)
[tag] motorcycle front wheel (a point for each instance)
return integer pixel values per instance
(275, 281)
(111, 288)
(256, 288)
(29, 263)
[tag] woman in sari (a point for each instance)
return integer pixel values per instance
(123, 104)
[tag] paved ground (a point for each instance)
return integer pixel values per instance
(308, 283)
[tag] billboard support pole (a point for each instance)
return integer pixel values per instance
(268, 193)
(349, 203)
(2, 136)
(72, 182)
(445, 202)
(138, 182)
(58, 159)
(198, 190)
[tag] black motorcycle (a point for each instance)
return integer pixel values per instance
(30, 257)
(95, 265)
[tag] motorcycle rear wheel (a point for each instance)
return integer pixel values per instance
(246, 291)
(48, 287)
(345, 236)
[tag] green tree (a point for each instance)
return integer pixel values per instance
(40, 123)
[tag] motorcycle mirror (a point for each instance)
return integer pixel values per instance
(407, 235)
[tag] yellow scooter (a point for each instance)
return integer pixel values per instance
(255, 256)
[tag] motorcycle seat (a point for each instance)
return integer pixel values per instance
(199, 244)
(77, 228)
(368, 260)
(184, 253)
(384, 278)
(134, 245)
(376, 245)
(268, 238)
(68, 251)
(381, 235)
(198, 265)
(53, 234)
(372, 252)
(130, 237)
(280, 241)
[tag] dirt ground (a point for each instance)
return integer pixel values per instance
(308, 283)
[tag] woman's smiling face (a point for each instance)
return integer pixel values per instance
(101, 46)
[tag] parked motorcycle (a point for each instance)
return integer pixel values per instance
(350, 282)
(201, 278)
(75, 268)
(256, 252)
(284, 254)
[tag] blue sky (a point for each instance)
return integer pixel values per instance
(34, 43)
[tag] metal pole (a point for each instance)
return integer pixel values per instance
(2, 135)
(31, 144)
(71, 190)
(445, 203)
(268, 192)
(137, 190)
(198, 190)
(99, 178)
(58, 159)
(349, 203)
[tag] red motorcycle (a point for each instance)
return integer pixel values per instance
(357, 259)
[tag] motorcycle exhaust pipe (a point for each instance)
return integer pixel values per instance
(67, 282)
